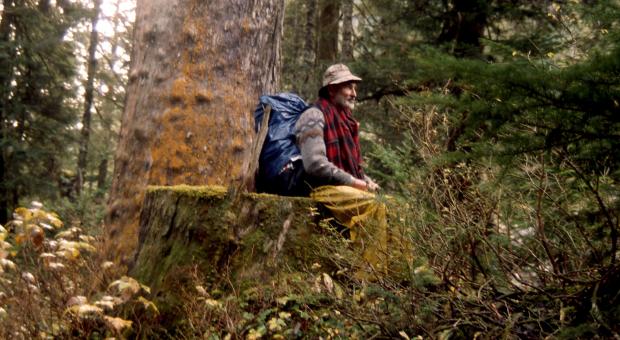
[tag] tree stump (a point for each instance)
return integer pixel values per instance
(188, 232)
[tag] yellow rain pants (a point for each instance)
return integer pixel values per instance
(365, 217)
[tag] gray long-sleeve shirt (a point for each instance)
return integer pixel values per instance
(310, 140)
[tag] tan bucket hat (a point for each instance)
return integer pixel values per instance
(337, 74)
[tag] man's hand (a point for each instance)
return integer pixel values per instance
(372, 186)
(359, 184)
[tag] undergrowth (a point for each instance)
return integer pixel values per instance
(54, 285)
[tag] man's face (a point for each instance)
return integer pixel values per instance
(344, 94)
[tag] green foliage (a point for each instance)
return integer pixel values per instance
(506, 164)
(38, 66)
(43, 47)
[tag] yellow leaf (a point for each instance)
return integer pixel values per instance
(69, 254)
(86, 238)
(126, 286)
(54, 220)
(86, 246)
(213, 303)
(85, 310)
(106, 305)
(56, 266)
(148, 305)
(47, 256)
(328, 282)
(117, 324)
(201, 290)
(19, 239)
(146, 288)
(22, 214)
(107, 264)
(274, 324)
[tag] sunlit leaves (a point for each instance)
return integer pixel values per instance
(48, 266)
(85, 310)
(117, 324)
(127, 287)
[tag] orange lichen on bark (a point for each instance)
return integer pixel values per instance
(202, 133)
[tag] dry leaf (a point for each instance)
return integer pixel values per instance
(46, 226)
(202, 291)
(28, 277)
(126, 287)
(212, 303)
(56, 266)
(328, 282)
(37, 235)
(148, 305)
(107, 264)
(77, 300)
(117, 324)
(4, 263)
(85, 310)
(106, 305)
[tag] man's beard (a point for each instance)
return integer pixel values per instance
(342, 101)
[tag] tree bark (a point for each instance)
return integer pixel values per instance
(197, 69)
(102, 173)
(328, 30)
(310, 42)
(88, 100)
(184, 230)
(464, 26)
(347, 30)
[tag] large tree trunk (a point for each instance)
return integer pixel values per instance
(328, 30)
(88, 100)
(197, 70)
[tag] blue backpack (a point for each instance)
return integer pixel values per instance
(279, 147)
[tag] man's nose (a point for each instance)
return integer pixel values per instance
(353, 93)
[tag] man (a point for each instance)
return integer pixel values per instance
(328, 135)
(328, 138)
